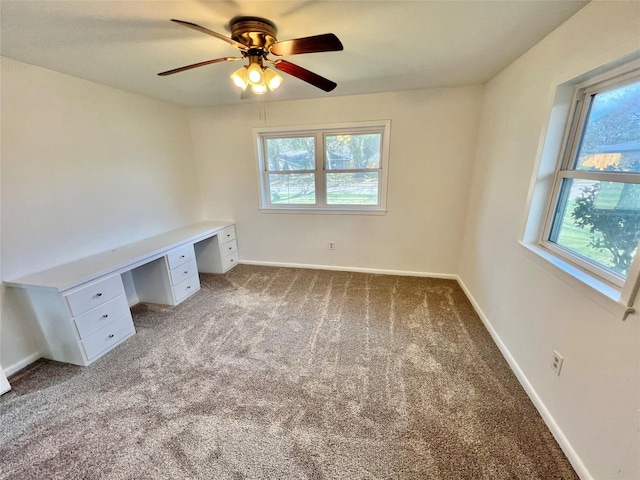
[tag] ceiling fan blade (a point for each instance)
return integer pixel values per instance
(327, 42)
(195, 65)
(224, 38)
(305, 75)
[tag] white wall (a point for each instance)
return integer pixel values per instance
(84, 168)
(4, 383)
(595, 400)
(433, 135)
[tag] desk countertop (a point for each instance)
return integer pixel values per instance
(117, 260)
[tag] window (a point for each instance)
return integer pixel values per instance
(328, 168)
(594, 219)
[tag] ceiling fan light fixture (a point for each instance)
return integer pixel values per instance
(241, 78)
(272, 79)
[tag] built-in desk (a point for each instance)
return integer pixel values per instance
(82, 308)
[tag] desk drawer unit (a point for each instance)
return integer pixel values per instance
(100, 307)
(184, 279)
(218, 254)
(163, 280)
(68, 319)
(228, 248)
(183, 272)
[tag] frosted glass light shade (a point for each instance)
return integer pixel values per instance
(256, 76)
(240, 78)
(259, 89)
(272, 78)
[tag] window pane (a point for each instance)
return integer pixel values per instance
(292, 189)
(296, 153)
(600, 221)
(353, 151)
(352, 188)
(611, 139)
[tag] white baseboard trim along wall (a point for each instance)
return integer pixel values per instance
(447, 276)
(11, 369)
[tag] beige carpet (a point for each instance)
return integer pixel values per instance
(281, 373)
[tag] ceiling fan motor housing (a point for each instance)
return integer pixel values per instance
(254, 32)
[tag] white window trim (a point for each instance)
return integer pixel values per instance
(320, 132)
(618, 299)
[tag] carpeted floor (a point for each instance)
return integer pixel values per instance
(281, 373)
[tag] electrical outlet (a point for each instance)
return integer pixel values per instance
(332, 245)
(556, 365)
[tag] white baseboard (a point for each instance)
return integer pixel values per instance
(555, 429)
(11, 369)
(379, 271)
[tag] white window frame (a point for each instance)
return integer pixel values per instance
(573, 136)
(614, 292)
(320, 132)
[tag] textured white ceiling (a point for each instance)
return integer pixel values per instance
(388, 45)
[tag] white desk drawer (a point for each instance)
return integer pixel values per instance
(227, 234)
(101, 316)
(93, 295)
(228, 248)
(229, 261)
(188, 287)
(180, 255)
(184, 271)
(107, 337)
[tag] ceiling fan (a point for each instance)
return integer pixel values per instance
(255, 37)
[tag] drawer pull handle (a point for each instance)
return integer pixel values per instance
(111, 335)
(231, 260)
(181, 256)
(185, 272)
(98, 294)
(188, 287)
(105, 315)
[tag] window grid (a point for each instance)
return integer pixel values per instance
(323, 169)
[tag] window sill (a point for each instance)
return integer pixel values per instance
(325, 211)
(601, 292)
